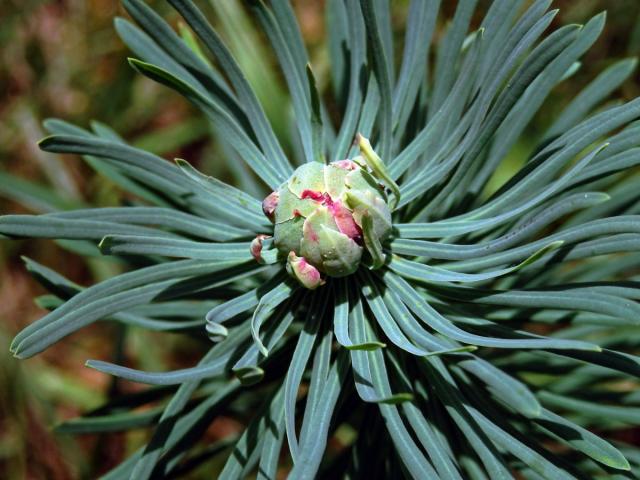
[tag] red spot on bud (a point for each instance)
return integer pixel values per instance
(313, 195)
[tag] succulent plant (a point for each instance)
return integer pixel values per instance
(434, 327)
(325, 216)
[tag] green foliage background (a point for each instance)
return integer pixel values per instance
(63, 58)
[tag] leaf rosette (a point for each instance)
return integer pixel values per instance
(482, 331)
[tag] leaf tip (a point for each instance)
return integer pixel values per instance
(135, 63)
(216, 332)
(397, 399)
(17, 353)
(94, 364)
(44, 143)
(631, 63)
(249, 375)
(368, 346)
(534, 412)
(105, 245)
(119, 22)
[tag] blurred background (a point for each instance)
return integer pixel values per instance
(63, 59)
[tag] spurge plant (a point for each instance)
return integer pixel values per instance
(383, 297)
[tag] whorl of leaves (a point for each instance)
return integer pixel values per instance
(498, 339)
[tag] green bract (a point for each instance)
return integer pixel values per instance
(326, 217)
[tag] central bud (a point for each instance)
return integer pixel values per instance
(328, 219)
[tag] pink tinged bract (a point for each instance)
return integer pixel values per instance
(308, 275)
(346, 164)
(341, 214)
(270, 204)
(256, 247)
(344, 220)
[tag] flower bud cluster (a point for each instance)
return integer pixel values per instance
(327, 219)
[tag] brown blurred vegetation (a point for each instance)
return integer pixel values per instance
(63, 59)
